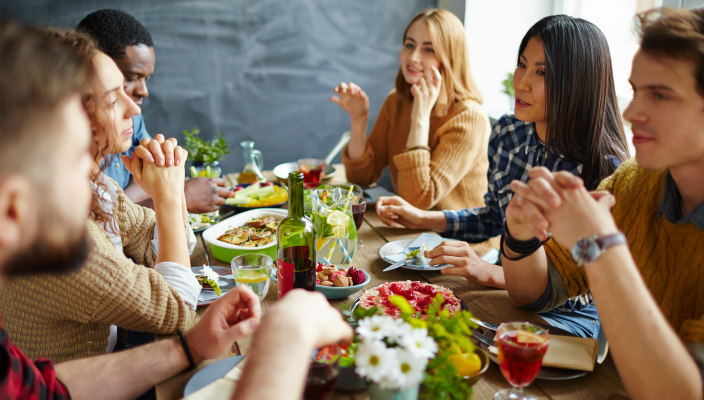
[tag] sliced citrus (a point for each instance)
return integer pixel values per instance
(528, 337)
(245, 276)
(337, 218)
(466, 364)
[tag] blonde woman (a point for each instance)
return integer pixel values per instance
(431, 131)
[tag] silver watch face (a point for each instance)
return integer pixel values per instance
(586, 250)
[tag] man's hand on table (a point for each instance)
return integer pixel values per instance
(233, 316)
(205, 194)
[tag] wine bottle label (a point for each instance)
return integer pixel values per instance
(285, 274)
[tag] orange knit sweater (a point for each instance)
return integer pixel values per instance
(451, 176)
(669, 256)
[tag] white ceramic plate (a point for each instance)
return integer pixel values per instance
(395, 247)
(210, 374)
(281, 171)
(212, 234)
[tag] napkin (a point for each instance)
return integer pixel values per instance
(221, 388)
(430, 239)
(571, 353)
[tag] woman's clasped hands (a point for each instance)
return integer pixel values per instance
(158, 166)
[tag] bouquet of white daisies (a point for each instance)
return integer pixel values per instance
(392, 353)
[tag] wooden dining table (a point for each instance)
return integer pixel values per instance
(488, 304)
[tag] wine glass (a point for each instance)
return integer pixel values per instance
(253, 270)
(358, 208)
(522, 346)
(322, 373)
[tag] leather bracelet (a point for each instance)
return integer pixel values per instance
(523, 248)
(186, 349)
(419, 147)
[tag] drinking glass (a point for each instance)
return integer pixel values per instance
(358, 208)
(522, 346)
(322, 373)
(253, 270)
(312, 169)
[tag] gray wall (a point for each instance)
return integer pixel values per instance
(260, 70)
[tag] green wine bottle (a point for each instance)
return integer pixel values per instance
(295, 242)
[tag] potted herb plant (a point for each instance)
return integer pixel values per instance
(205, 155)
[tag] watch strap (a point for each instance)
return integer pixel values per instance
(611, 240)
(588, 250)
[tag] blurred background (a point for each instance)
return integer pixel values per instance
(264, 70)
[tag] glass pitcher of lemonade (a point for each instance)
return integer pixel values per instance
(336, 233)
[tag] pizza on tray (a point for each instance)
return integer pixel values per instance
(418, 294)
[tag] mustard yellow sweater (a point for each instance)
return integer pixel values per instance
(451, 176)
(670, 256)
(68, 316)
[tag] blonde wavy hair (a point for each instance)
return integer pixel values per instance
(450, 45)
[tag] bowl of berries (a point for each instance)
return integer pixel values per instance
(338, 283)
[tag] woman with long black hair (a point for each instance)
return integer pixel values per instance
(566, 118)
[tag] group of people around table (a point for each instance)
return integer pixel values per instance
(581, 226)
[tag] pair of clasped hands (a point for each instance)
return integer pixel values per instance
(550, 203)
(158, 166)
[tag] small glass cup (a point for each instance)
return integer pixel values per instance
(253, 270)
(312, 169)
(322, 373)
(522, 346)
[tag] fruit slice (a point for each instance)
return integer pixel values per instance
(466, 364)
(528, 337)
(338, 222)
(245, 276)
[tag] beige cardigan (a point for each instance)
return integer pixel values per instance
(68, 316)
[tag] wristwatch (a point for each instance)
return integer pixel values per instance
(587, 250)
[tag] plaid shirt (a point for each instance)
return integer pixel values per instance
(22, 378)
(514, 148)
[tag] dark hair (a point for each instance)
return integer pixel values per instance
(583, 119)
(37, 74)
(114, 30)
(675, 33)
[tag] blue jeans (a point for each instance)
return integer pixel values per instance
(582, 323)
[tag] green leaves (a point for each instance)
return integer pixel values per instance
(508, 84)
(200, 150)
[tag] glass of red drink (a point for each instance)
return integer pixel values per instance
(322, 373)
(312, 169)
(359, 206)
(522, 346)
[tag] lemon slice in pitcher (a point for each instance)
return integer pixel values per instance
(338, 221)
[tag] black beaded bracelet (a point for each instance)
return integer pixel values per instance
(186, 349)
(523, 248)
